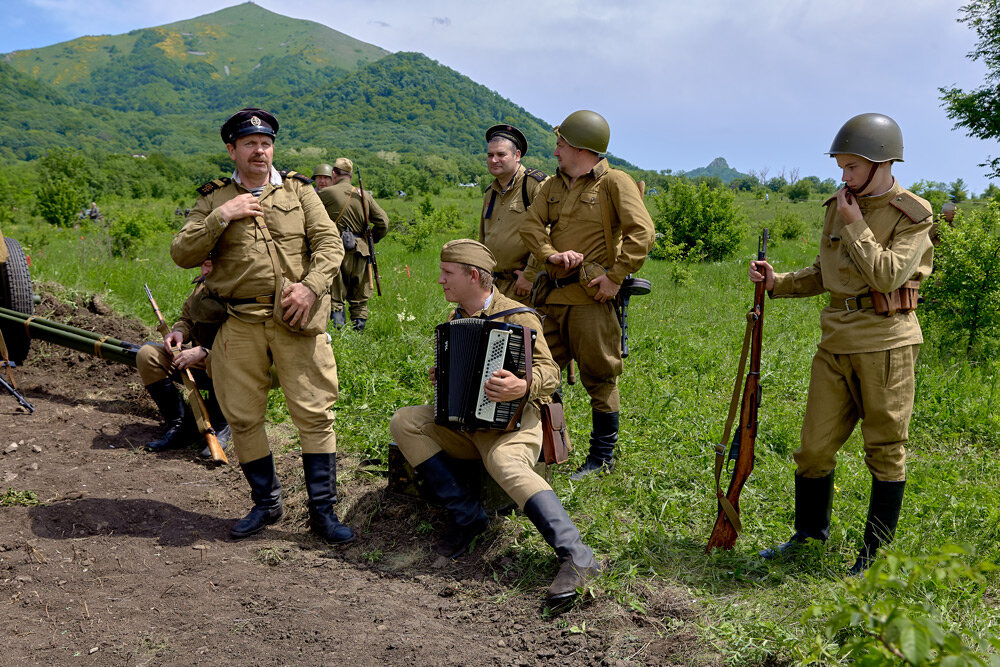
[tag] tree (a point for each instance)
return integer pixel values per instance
(957, 190)
(978, 111)
(799, 191)
(701, 221)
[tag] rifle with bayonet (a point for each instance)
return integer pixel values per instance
(370, 240)
(727, 523)
(191, 389)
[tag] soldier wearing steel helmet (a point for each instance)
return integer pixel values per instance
(590, 229)
(505, 204)
(874, 252)
(275, 253)
(322, 176)
(948, 211)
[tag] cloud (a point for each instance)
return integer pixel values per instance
(439, 20)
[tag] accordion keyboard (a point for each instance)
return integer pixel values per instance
(496, 349)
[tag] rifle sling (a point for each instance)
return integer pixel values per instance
(720, 449)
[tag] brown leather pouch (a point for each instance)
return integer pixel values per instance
(555, 436)
(901, 300)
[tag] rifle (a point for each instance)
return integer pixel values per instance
(630, 287)
(369, 239)
(191, 388)
(728, 524)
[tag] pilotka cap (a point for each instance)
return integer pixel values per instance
(249, 121)
(467, 251)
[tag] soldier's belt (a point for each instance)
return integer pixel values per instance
(572, 279)
(851, 303)
(269, 299)
(504, 275)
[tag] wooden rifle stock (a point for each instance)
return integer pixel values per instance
(191, 388)
(370, 240)
(727, 523)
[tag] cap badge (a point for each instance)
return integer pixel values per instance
(255, 121)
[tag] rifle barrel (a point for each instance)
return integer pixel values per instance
(64, 335)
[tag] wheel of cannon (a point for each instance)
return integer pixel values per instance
(16, 294)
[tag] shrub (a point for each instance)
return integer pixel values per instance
(799, 191)
(128, 229)
(963, 295)
(59, 202)
(697, 216)
(787, 225)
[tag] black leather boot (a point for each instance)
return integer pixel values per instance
(222, 431)
(172, 408)
(321, 484)
(265, 491)
(468, 518)
(339, 320)
(603, 437)
(577, 565)
(359, 323)
(813, 509)
(883, 515)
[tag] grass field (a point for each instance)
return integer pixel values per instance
(652, 517)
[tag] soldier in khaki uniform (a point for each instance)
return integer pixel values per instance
(590, 228)
(343, 204)
(159, 369)
(275, 252)
(466, 278)
(875, 242)
(504, 206)
(322, 176)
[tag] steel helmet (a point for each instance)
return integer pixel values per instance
(323, 170)
(873, 136)
(585, 129)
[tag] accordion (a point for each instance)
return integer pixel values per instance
(467, 352)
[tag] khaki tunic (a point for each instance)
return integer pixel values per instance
(508, 457)
(864, 367)
(3, 250)
(309, 250)
(352, 284)
(500, 234)
(602, 216)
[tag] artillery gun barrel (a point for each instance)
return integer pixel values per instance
(65, 335)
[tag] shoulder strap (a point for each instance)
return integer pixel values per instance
(288, 173)
(212, 186)
(513, 311)
(606, 207)
(489, 209)
(516, 417)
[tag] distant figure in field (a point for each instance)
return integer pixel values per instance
(505, 205)
(93, 212)
(343, 204)
(948, 211)
(589, 228)
(875, 251)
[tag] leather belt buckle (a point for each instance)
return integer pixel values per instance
(857, 304)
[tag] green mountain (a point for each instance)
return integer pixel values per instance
(717, 167)
(168, 88)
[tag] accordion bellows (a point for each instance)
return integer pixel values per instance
(467, 352)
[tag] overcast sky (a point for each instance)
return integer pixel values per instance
(762, 83)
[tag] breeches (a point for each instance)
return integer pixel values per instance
(353, 285)
(241, 360)
(591, 335)
(508, 457)
(874, 387)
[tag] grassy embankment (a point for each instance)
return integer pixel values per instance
(652, 517)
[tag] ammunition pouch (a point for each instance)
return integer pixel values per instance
(588, 272)
(314, 324)
(901, 300)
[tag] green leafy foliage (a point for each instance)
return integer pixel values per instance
(963, 296)
(12, 498)
(787, 225)
(799, 191)
(890, 614)
(702, 221)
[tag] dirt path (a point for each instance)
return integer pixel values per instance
(127, 560)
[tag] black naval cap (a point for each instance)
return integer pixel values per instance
(508, 132)
(249, 121)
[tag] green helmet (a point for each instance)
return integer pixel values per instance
(585, 129)
(323, 170)
(949, 206)
(873, 136)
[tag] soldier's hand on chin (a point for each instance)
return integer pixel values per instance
(242, 206)
(847, 206)
(505, 386)
(297, 301)
(606, 288)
